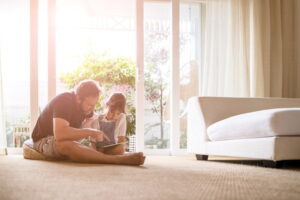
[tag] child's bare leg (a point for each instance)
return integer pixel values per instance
(115, 150)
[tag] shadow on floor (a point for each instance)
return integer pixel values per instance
(288, 164)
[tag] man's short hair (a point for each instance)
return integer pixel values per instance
(87, 88)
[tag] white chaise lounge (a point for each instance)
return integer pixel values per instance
(259, 128)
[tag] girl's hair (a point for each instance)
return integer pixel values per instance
(116, 101)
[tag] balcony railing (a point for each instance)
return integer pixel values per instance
(21, 132)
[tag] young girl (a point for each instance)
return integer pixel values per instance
(113, 121)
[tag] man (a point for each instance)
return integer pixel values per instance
(57, 130)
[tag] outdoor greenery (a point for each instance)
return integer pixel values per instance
(113, 75)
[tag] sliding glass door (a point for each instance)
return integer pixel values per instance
(14, 68)
(170, 69)
(157, 65)
(96, 39)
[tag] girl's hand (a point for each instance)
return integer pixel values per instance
(93, 145)
(92, 140)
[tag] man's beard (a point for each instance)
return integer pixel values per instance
(83, 113)
(89, 115)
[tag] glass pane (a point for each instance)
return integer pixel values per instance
(157, 41)
(14, 62)
(189, 60)
(96, 39)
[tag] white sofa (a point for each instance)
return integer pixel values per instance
(209, 116)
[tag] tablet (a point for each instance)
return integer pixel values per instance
(106, 144)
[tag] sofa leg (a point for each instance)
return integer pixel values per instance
(272, 164)
(201, 157)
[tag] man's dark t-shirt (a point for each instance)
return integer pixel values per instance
(62, 106)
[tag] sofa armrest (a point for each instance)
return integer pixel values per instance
(196, 128)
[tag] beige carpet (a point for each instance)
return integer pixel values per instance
(160, 178)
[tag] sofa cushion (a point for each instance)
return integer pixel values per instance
(264, 123)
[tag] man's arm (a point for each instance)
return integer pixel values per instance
(63, 131)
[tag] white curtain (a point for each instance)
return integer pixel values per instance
(249, 48)
(3, 141)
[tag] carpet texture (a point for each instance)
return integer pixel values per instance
(161, 177)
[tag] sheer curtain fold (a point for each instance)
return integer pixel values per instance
(2, 123)
(248, 49)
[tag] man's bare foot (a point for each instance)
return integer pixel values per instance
(132, 158)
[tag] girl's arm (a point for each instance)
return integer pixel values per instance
(121, 126)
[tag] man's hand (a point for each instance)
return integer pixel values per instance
(63, 131)
(98, 136)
